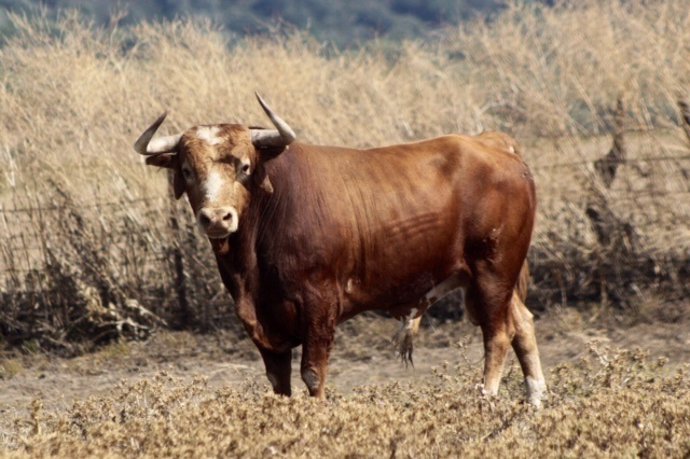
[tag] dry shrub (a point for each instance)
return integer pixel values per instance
(77, 202)
(611, 403)
(9, 368)
(558, 70)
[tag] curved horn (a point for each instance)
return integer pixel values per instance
(145, 146)
(284, 135)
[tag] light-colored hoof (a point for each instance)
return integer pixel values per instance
(486, 393)
(535, 402)
(536, 391)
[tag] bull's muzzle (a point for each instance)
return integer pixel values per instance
(218, 222)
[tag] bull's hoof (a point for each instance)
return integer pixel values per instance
(536, 391)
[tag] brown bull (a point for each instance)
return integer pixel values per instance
(308, 236)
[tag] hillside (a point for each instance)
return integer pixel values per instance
(342, 23)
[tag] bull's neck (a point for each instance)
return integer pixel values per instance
(237, 255)
(240, 271)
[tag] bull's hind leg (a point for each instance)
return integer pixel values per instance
(278, 369)
(488, 302)
(525, 346)
(496, 344)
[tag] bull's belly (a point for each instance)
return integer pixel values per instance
(408, 291)
(404, 298)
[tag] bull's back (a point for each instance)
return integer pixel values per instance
(386, 224)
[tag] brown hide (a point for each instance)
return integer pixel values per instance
(347, 230)
(385, 225)
(307, 236)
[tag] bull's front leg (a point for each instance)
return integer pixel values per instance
(278, 368)
(315, 366)
(319, 333)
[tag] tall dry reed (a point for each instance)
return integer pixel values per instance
(76, 201)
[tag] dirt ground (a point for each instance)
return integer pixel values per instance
(363, 355)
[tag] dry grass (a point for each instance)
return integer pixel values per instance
(559, 70)
(611, 403)
(97, 232)
(9, 368)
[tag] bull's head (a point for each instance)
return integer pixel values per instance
(219, 166)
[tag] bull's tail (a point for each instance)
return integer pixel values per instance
(523, 282)
(409, 327)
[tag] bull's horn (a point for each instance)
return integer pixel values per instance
(145, 146)
(284, 135)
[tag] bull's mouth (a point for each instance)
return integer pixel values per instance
(218, 234)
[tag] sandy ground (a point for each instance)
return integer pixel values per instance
(363, 355)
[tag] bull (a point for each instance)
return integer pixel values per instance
(307, 236)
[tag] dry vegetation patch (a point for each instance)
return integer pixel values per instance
(610, 403)
(91, 246)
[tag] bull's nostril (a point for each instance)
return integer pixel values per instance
(227, 217)
(204, 220)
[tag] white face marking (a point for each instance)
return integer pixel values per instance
(212, 186)
(214, 217)
(209, 134)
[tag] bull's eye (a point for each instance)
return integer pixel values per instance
(246, 168)
(187, 173)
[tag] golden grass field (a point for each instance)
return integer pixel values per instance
(86, 238)
(190, 395)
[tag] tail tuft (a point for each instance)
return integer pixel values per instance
(404, 342)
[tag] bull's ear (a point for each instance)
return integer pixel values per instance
(262, 179)
(178, 184)
(268, 153)
(166, 160)
(169, 161)
(266, 185)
